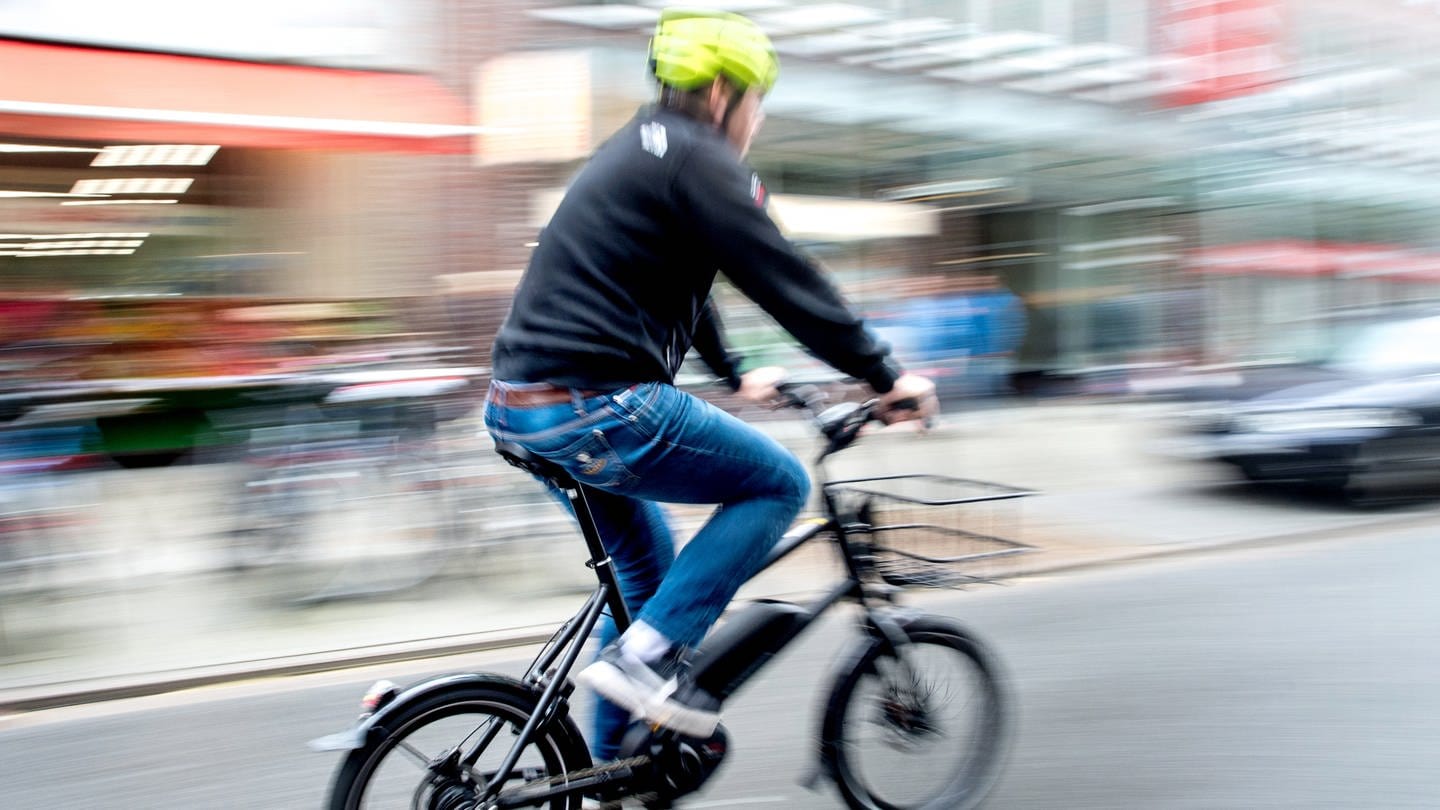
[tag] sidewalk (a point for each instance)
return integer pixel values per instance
(1104, 498)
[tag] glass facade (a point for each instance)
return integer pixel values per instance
(1101, 159)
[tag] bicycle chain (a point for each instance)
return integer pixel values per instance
(596, 770)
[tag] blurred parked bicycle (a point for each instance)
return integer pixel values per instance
(42, 513)
(341, 492)
(359, 484)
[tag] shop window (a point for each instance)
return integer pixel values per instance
(1019, 15)
(1090, 21)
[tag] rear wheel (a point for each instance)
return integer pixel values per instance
(438, 753)
(921, 729)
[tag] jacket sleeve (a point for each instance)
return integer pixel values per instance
(725, 202)
(709, 343)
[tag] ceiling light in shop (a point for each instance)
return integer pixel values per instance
(86, 243)
(134, 185)
(22, 193)
(155, 155)
(85, 236)
(120, 202)
(31, 254)
(30, 147)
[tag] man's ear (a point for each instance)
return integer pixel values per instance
(718, 98)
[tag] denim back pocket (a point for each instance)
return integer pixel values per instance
(632, 403)
(592, 461)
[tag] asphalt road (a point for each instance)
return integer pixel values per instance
(1300, 676)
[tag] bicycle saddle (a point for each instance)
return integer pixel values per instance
(517, 456)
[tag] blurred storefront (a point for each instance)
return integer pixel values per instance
(204, 223)
(1095, 157)
(1090, 155)
(176, 226)
(146, 195)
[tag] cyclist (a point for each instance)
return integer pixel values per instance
(616, 293)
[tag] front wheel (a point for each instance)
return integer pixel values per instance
(918, 727)
(437, 753)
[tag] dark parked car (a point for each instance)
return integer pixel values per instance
(1364, 421)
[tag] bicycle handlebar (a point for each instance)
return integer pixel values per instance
(840, 424)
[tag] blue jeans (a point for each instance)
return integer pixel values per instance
(650, 444)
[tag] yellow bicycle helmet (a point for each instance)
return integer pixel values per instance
(692, 47)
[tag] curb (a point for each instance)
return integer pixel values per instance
(149, 684)
(157, 683)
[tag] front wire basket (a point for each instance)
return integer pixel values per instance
(930, 531)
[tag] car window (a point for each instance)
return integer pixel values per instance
(1400, 347)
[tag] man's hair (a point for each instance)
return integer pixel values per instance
(694, 102)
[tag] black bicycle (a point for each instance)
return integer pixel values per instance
(915, 717)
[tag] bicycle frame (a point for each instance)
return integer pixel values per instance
(606, 594)
(724, 662)
(728, 659)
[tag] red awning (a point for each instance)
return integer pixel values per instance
(66, 92)
(1307, 259)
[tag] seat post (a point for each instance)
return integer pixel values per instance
(600, 560)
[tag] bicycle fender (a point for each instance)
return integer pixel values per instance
(359, 734)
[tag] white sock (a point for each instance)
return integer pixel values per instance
(644, 642)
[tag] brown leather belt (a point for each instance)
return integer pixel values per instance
(536, 397)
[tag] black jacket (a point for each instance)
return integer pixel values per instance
(618, 289)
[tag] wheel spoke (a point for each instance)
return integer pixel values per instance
(415, 753)
(491, 728)
(394, 771)
(918, 726)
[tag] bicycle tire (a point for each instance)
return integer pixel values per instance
(558, 746)
(876, 689)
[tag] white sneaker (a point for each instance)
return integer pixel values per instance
(650, 693)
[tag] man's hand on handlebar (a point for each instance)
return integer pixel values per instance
(912, 398)
(758, 385)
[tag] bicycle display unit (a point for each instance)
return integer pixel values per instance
(915, 715)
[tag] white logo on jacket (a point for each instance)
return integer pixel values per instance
(652, 138)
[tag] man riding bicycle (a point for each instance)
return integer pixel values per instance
(616, 294)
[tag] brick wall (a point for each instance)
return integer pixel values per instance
(480, 219)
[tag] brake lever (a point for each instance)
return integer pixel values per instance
(800, 396)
